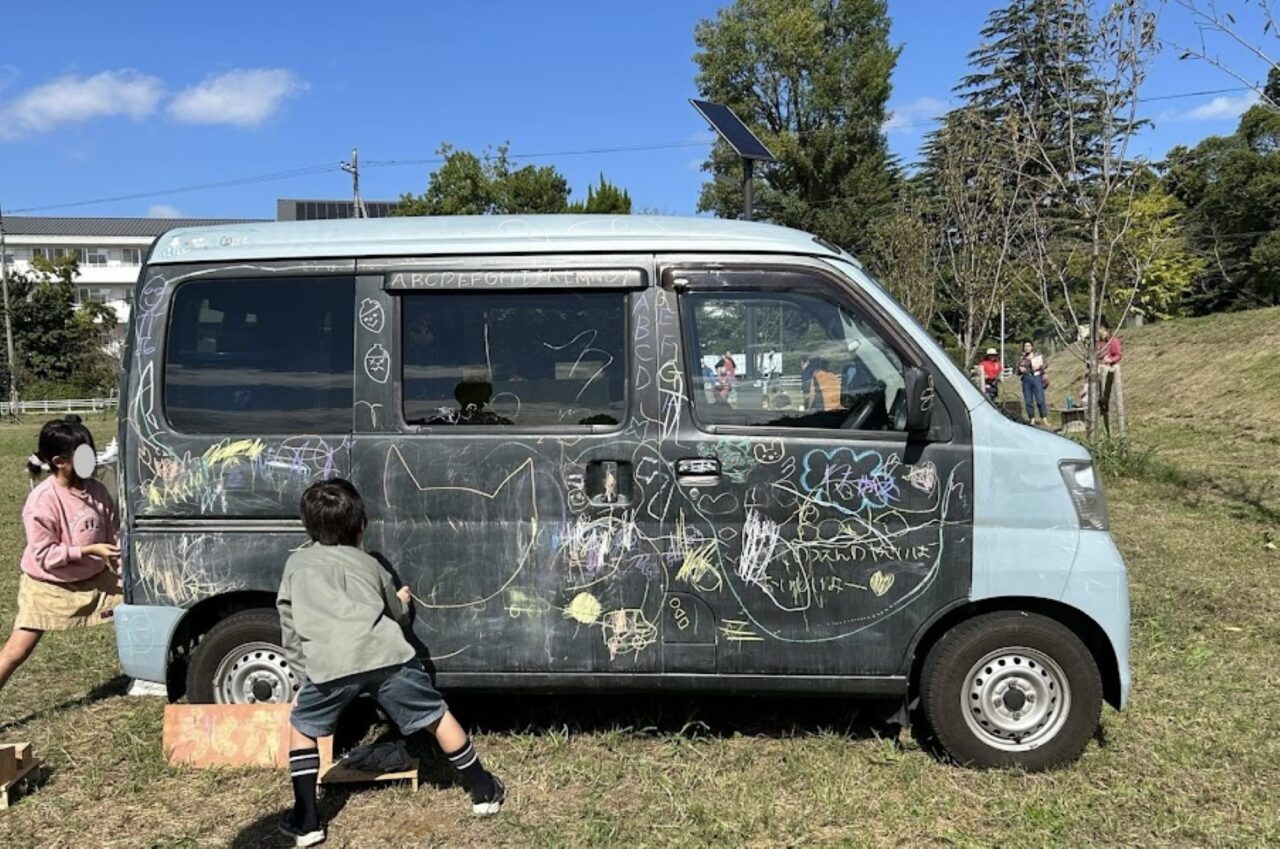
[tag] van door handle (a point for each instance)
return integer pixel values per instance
(609, 482)
(698, 471)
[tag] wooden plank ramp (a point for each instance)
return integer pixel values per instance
(206, 736)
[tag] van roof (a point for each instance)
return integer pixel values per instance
(478, 234)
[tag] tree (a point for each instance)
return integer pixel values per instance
(466, 184)
(1263, 47)
(1163, 264)
(979, 212)
(811, 78)
(58, 346)
(1231, 188)
(1084, 179)
(901, 253)
(605, 199)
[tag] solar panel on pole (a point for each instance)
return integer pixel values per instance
(735, 133)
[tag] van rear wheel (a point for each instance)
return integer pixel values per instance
(240, 661)
(1011, 690)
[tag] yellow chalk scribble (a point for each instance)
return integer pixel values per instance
(698, 571)
(521, 603)
(223, 452)
(739, 631)
(584, 608)
(628, 631)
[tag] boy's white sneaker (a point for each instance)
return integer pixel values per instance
(301, 839)
(488, 803)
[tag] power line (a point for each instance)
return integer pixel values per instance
(595, 151)
(198, 187)
(313, 170)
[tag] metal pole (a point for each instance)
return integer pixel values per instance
(8, 322)
(1002, 340)
(747, 185)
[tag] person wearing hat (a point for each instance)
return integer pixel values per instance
(991, 373)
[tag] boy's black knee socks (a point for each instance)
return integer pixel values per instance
(304, 768)
(468, 765)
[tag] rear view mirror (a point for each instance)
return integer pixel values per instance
(918, 386)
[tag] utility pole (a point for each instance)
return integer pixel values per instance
(353, 168)
(748, 183)
(8, 322)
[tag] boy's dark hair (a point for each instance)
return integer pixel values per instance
(59, 438)
(333, 512)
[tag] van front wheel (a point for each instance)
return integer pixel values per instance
(1011, 690)
(240, 661)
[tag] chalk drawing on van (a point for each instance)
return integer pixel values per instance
(175, 569)
(628, 631)
(377, 363)
(739, 631)
(923, 476)
(513, 502)
(525, 603)
(373, 409)
(372, 316)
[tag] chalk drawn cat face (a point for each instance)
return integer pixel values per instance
(464, 544)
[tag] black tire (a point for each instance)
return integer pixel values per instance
(255, 636)
(976, 720)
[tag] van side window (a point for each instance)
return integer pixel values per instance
(261, 356)
(524, 359)
(788, 359)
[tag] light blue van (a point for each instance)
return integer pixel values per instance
(606, 454)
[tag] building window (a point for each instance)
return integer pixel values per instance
(261, 356)
(41, 253)
(90, 294)
(524, 359)
(131, 256)
(93, 256)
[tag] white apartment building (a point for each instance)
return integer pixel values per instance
(110, 250)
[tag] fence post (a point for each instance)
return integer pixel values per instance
(1119, 388)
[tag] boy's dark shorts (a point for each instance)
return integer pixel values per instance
(404, 692)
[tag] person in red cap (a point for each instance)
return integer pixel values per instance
(990, 366)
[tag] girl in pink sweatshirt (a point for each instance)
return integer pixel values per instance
(68, 567)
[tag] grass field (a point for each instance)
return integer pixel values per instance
(1195, 761)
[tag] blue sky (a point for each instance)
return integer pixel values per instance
(171, 96)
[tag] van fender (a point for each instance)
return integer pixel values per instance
(144, 633)
(1112, 664)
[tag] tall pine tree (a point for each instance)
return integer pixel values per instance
(811, 77)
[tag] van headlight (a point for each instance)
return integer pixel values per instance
(1086, 494)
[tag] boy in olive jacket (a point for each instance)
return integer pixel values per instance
(342, 623)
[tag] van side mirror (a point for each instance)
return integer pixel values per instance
(918, 386)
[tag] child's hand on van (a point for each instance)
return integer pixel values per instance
(105, 550)
(404, 595)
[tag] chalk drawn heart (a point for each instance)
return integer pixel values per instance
(720, 504)
(881, 582)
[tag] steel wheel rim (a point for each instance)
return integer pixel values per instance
(1015, 699)
(247, 673)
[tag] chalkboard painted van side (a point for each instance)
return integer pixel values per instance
(608, 454)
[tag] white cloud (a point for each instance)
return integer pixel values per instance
(915, 115)
(72, 99)
(244, 97)
(163, 210)
(1221, 108)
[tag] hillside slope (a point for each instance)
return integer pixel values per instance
(1204, 393)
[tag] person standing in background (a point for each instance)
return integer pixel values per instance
(1110, 352)
(990, 367)
(1031, 370)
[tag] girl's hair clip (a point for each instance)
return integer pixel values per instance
(35, 464)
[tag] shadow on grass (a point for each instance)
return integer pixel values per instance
(117, 686)
(264, 831)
